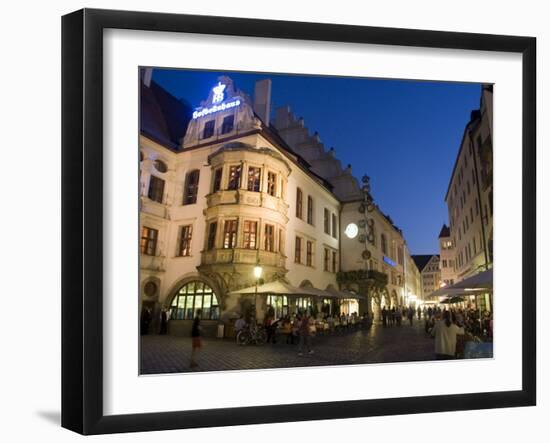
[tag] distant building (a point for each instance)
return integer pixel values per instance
(447, 256)
(413, 282)
(470, 193)
(428, 265)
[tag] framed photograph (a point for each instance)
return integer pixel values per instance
(269, 221)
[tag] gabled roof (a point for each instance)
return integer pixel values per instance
(445, 231)
(163, 117)
(422, 260)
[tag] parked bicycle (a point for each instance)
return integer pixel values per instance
(252, 335)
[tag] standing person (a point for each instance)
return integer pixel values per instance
(410, 315)
(305, 337)
(296, 322)
(398, 316)
(145, 321)
(163, 322)
(418, 313)
(384, 317)
(445, 332)
(268, 323)
(196, 342)
(287, 329)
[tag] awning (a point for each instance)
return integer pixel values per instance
(476, 284)
(483, 280)
(282, 288)
(276, 288)
(450, 291)
(317, 292)
(344, 294)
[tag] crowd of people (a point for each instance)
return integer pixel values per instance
(298, 328)
(452, 328)
(449, 327)
(394, 316)
(474, 322)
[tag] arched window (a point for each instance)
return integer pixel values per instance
(384, 244)
(191, 187)
(190, 298)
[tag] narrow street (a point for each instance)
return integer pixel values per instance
(167, 354)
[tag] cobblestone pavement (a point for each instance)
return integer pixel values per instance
(167, 354)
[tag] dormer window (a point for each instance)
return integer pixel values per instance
(227, 125)
(208, 130)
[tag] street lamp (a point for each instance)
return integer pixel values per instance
(257, 275)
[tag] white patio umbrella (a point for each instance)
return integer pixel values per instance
(475, 284)
(483, 280)
(344, 294)
(277, 288)
(450, 291)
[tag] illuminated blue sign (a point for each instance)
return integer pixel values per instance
(389, 261)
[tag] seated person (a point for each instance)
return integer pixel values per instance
(240, 324)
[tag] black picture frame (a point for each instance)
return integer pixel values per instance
(82, 217)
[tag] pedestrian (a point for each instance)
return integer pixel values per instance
(145, 321)
(331, 326)
(305, 336)
(163, 322)
(410, 316)
(445, 333)
(418, 313)
(287, 330)
(268, 324)
(297, 321)
(196, 343)
(398, 316)
(384, 317)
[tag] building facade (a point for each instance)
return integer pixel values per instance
(447, 256)
(469, 195)
(413, 282)
(370, 239)
(222, 191)
(429, 267)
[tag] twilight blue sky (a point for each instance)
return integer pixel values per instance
(404, 134)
